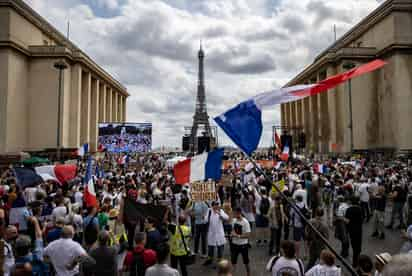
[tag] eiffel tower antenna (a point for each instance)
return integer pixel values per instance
(201, 118)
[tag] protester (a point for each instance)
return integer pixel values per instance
(276, 221)
(365, 265)
(216, 233)
(153, 236)
(287, 263)
(104, 256)
(354, 219)
(224, 268)
(200, 213)
(316, 245)
(179, 244)
(298, 225)
(400, 265)
(381, 260)
(161, 268)
(379, 213)
(139, 259)
(326, 267)
(240, 240)
(65, 254)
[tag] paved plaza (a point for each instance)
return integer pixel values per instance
(259, 257)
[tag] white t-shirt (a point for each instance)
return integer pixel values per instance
(60, 211)
(61, 253)
(161, 270)
(8, 259)
(324, 270)
(363, 192)
(78, 198)
(244, 226)
(291, 266)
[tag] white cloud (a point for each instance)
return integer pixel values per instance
(151, 47)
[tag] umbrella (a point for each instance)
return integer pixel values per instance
(35, 160)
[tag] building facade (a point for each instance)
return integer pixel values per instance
(381, 101)
(29, 86)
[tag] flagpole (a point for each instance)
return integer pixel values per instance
(307, 222)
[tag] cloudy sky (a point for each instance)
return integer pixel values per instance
(151, 47)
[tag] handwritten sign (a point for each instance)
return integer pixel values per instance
(203, 191)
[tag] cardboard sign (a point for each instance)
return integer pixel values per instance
(268, 164)
(203, 191)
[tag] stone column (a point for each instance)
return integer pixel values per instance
(119, 108)
(114, 104)
(94, 116)
(307, 122)
(288, 115)
(109, 104)
(75, 106)
(102, 103)
(282, 115)
(85, 108)
(314, 112)
(124, 109)
(294, 114)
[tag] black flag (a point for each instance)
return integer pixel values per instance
(134, 211)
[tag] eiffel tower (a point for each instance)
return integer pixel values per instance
(200, 119)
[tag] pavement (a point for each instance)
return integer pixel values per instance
(259, 257)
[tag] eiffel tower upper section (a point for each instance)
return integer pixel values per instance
(201, 118)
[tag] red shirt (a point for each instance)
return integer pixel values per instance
(149, 256)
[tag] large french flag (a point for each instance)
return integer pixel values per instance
(243, 123)
(199, 168)
(60, 173)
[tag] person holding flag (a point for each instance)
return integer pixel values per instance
(90, 198)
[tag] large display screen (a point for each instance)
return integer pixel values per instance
(126, 137)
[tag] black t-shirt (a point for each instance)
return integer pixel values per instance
(400, 194)
(355, 216)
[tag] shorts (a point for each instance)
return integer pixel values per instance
(239, 249)
(262, 221)
(298, 233)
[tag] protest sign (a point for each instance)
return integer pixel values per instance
(203, 191)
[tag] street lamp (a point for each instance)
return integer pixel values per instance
(347, 66)
(59, 65)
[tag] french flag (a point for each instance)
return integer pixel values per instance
(60, 173)
(83, 150)
(199, 168)
(319, 168)
(243, 123)
(89, 196)
(284, 156)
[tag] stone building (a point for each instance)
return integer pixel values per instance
(381, 101)
(29, 86)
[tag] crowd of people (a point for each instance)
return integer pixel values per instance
(49, 230)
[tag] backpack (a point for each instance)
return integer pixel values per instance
(305, 212)
(138, 267)
(90, 232)
(264, 206)
(276, 258)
